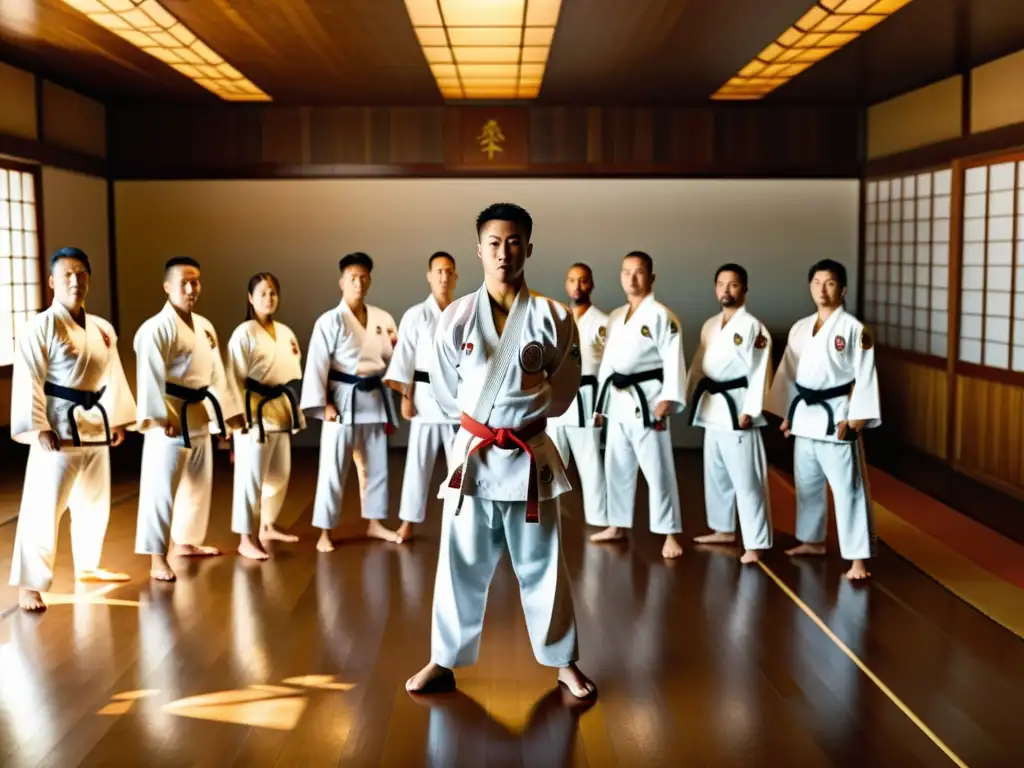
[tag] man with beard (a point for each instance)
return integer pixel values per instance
(575, 431)
(726, 391)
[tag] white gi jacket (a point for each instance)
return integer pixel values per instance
(341, 344)
(592, 327)
(169, 352)
(740, 350)
(540, 378)
(841, 354)
(652, 339)
(55, 350)
(254, 354)
(413, 357)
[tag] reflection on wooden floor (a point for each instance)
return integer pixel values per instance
(301, 661)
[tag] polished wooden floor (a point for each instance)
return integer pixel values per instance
(301, 661)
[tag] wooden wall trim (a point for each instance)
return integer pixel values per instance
(956, 255)
(910, 356)
(47, 154)
(994, 142)
(986, 373)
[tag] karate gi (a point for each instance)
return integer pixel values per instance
(267, 372)
(642, 365)
(728, 378)
(574, 431)
(179, 370)
(812, 389)
(67, 379)
(430, 429)
(502, 488)
(345, 363)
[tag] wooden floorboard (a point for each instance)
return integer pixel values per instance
(300, 661)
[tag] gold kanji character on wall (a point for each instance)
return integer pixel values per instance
(490, 138)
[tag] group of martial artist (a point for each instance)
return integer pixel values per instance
(508, 383)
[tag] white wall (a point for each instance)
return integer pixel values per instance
(298, 229)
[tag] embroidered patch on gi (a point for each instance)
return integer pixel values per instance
(468, 347)
(379, 330)
(645, 331)
(866, 341)
(672, 327)
(532, 357)
(840, 343)
(602, 331)
(636, 412)
(295, 348)
(761, 341)
(546, 475)
(211, 339)
(106, 339)
(737, 339)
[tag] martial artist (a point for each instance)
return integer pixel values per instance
(430, 429)
(726, 391)
(826, 391)
(642, 382)
(69, 402)
(343, 386)
(574, 432)
(184, 396)
(505, 360)
(265, 365)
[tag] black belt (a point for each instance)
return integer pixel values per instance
(585, 381)
(819, 397)
(363, 384)
(268, 392)
(190, 396)
(712, 387)
(421, 376)
(634, 380)
(79, 398)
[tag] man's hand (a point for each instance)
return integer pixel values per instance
(236, 424)
(408, 408)
(598, 420)
(330, 412)
(49, 441)
(661, 410)
(784, 427)
(853, 425)
(745, 421)
(171, 431)
(116, 436)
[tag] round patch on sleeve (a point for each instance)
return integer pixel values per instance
(673, 327)
(602, 331)
(295, 348)
(840, 343)
(645, 331)
(532, 357)
(737, 339)
(210, 338)
(761, 341)
(866, 340)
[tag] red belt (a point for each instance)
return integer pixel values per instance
(507, 439)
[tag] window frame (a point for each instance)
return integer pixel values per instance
(34, 170)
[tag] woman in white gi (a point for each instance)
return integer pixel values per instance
(265, 364)
(69, 402)
(505, 360)
(726, 390)
(826, 391)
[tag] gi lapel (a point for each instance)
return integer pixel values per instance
(507, 348)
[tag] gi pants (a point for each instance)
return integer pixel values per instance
(425, 440)
(841, 465)
(736, 479)
(262, 471)
(629, 446)
(340, 445)
(74, 478)
(584, 443)
(471, 545)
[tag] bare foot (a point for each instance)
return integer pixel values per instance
(376, 530)
(579, 685)
(273, 533)
(750, 556)
(672, 548)
(160, 569)
(30, 600)
(716, 538)
(611, 533)
(859, 570)
(404, 532)
(431, 678)
(806, 549)
(324, 543)
(195, 550)
(250, 548)
(102, 574)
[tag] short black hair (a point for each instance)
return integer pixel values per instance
(741, 273)
(357, 259)
(581, 265)
(506, 212)
(180, 261)
(828, 265)
(70, 252)
(439, 255)
(645, 258)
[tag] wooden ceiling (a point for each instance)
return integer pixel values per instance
(364, 52)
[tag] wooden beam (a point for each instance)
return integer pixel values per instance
(41, 153)
(956, 255)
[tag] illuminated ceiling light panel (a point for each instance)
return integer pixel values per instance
(827, 27)
(149, 26)
(486, 49)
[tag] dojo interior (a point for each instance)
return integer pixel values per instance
(891, 138)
